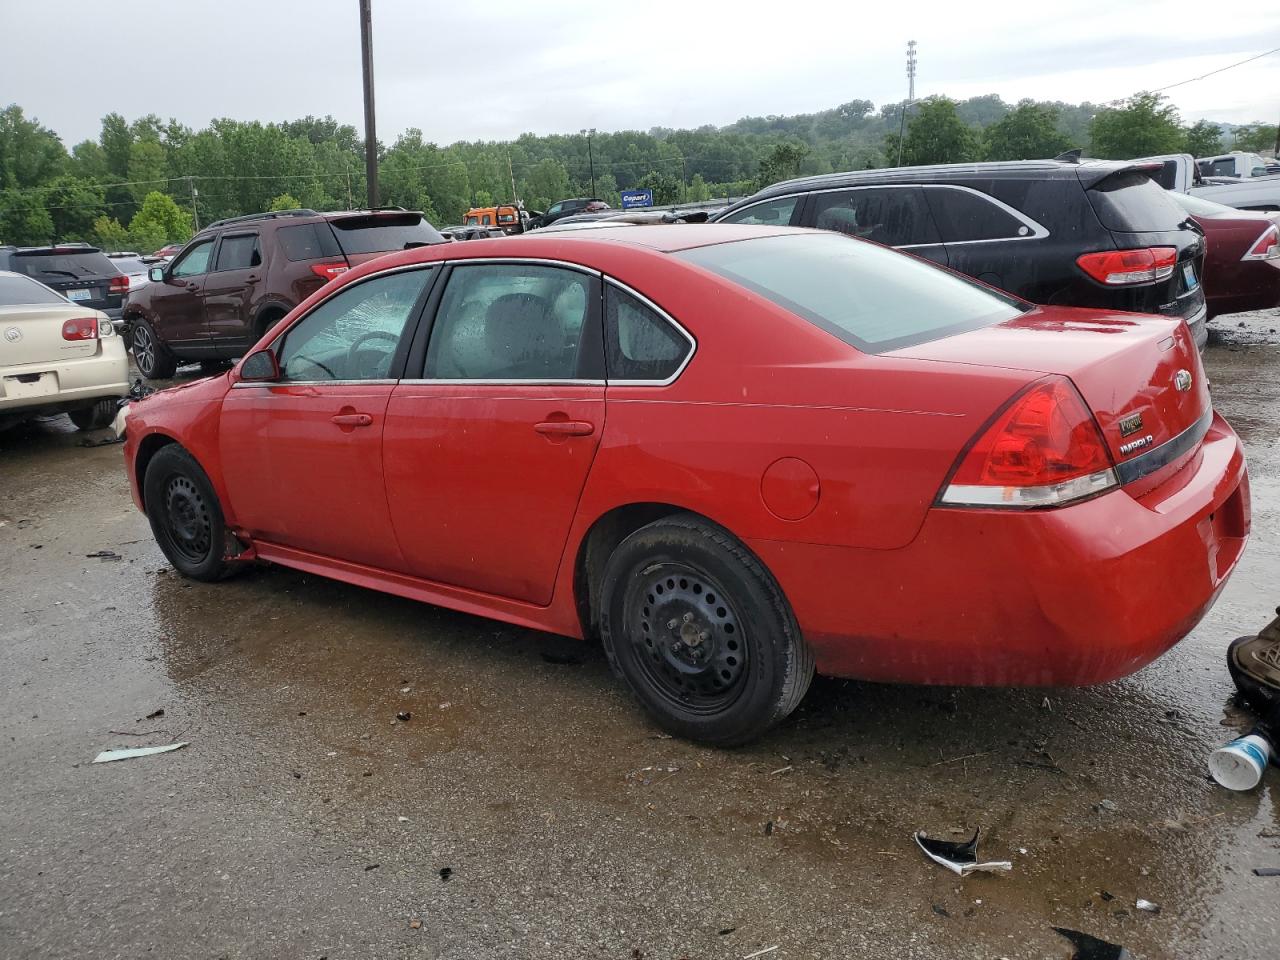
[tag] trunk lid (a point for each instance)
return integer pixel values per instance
(1140, 375)
(32, 335)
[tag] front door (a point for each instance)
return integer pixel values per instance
(486, 455)
(177, 304)
(229, 290)
(302, 456)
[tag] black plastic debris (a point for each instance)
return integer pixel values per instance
(940, 910)
(1091, 948)
(1266, 871)
(446, 873)
(103, 555)
(403, 716)
(960, 858)
(154, 714)
(562, 659)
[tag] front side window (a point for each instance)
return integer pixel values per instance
(963, 217)
(774, 213)
(511, 321)
(639, 343)
(893, 216)
(239, 253)
(195, 261)
(355, 333)
(872, 298)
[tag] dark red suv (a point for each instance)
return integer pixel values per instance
(237, 277)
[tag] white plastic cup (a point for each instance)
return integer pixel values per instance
(1239, 765)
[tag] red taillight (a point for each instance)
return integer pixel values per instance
(1267, 247)
(81, 328)
(1118, 268)
(1043, 450)
(120, 284)
(329, 270)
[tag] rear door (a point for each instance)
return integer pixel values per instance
(984, 237)
(229, 290)
(487, 451)
(895, 216)
(177, 302)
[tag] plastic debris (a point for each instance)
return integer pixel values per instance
(106, 756)
(1091, 948)
(960, 858)
(446, 873)
(761, 953)
(103, 555)
(155, 714)
(1266, 871)
(1240, 764)
(403, 716)
(1147, 905)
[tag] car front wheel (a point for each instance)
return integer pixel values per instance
(185, 515)
(154, 360)
(701, 633)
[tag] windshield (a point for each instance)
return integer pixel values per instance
(383, 233)
(15, 291)
(869, 296)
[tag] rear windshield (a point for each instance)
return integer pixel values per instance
(19, 290)
(383, 233)
(1201, 207)
(64, 265)
(1131, 202)
(128, 265)
(869, 296)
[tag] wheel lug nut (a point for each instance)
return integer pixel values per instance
(688, 618)
(704, 636)
(672, 623)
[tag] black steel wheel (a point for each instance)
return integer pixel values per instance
(154, 360)
(185, 515)
(701, 632)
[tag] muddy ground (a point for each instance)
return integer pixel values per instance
(528, 809)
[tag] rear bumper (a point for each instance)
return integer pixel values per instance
(78, 382)
(1065, 597)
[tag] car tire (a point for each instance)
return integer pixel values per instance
(701, 632)
(95, 417)
(153, 359)
(185, 515)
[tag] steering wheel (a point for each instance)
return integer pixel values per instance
(354, 349)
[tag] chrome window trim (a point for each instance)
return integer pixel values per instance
(536, 261)
(662, 314)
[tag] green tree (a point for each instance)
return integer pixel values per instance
(1145, 126)
(780, 163)
(146, 236)
(24, 221)
(698, 191)
(73, 204)
(1203, 139)
(935, 134)
(1027, 132)
(285, 201)
(665, 187)
(159, 215)
(546, 183)
(30, 155)
(111, 236)
(147, 168)
(1254, 137)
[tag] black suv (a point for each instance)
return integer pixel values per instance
(79, 272)
(1082, 234)
(562, 208)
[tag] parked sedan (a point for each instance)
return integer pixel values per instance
(1242, 264)
(56, 357)
(732, 453)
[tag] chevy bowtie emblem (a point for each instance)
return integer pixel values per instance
(1182, 380)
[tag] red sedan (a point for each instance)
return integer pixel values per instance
(1242, 256)
(730, 452)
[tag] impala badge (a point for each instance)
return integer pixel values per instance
(1134, 445)
(1130, 424)
(1182, 380)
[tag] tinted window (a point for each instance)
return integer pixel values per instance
(354, 334)
(1131, 202)
(1225, 167)
(20, 290)
(129, 265)
(510, 322)
(963, 216)
(384, 233)
(195, 261)
(639, 344)
(308, 241)
(64, 265)
(1201, 207)
(894, 216)
(239, 253)
(870, 297)
(777, 212)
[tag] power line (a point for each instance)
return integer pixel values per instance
(1230, 66)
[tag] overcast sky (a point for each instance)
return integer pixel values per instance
(494, 69)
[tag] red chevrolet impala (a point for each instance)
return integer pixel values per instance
(733, 453)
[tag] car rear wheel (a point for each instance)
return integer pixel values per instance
(154, 360)
(185, 515)
(95, 417)
(701, 633)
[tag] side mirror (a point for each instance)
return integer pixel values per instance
(156, 274)
(260, 367)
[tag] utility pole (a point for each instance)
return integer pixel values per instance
(911, 95)
(370, 125)
(195, 212)
(511, 172)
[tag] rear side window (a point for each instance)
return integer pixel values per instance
(777, 212)
(64, 265)
(963, 217)
(384, 233)
(1131, 202)
(872, 298)
(308, 241)
(239, 253)
(639, 343)
(894, 216)
(16, 291)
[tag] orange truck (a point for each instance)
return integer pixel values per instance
(506, 217)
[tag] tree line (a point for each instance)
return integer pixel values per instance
(148, 182)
